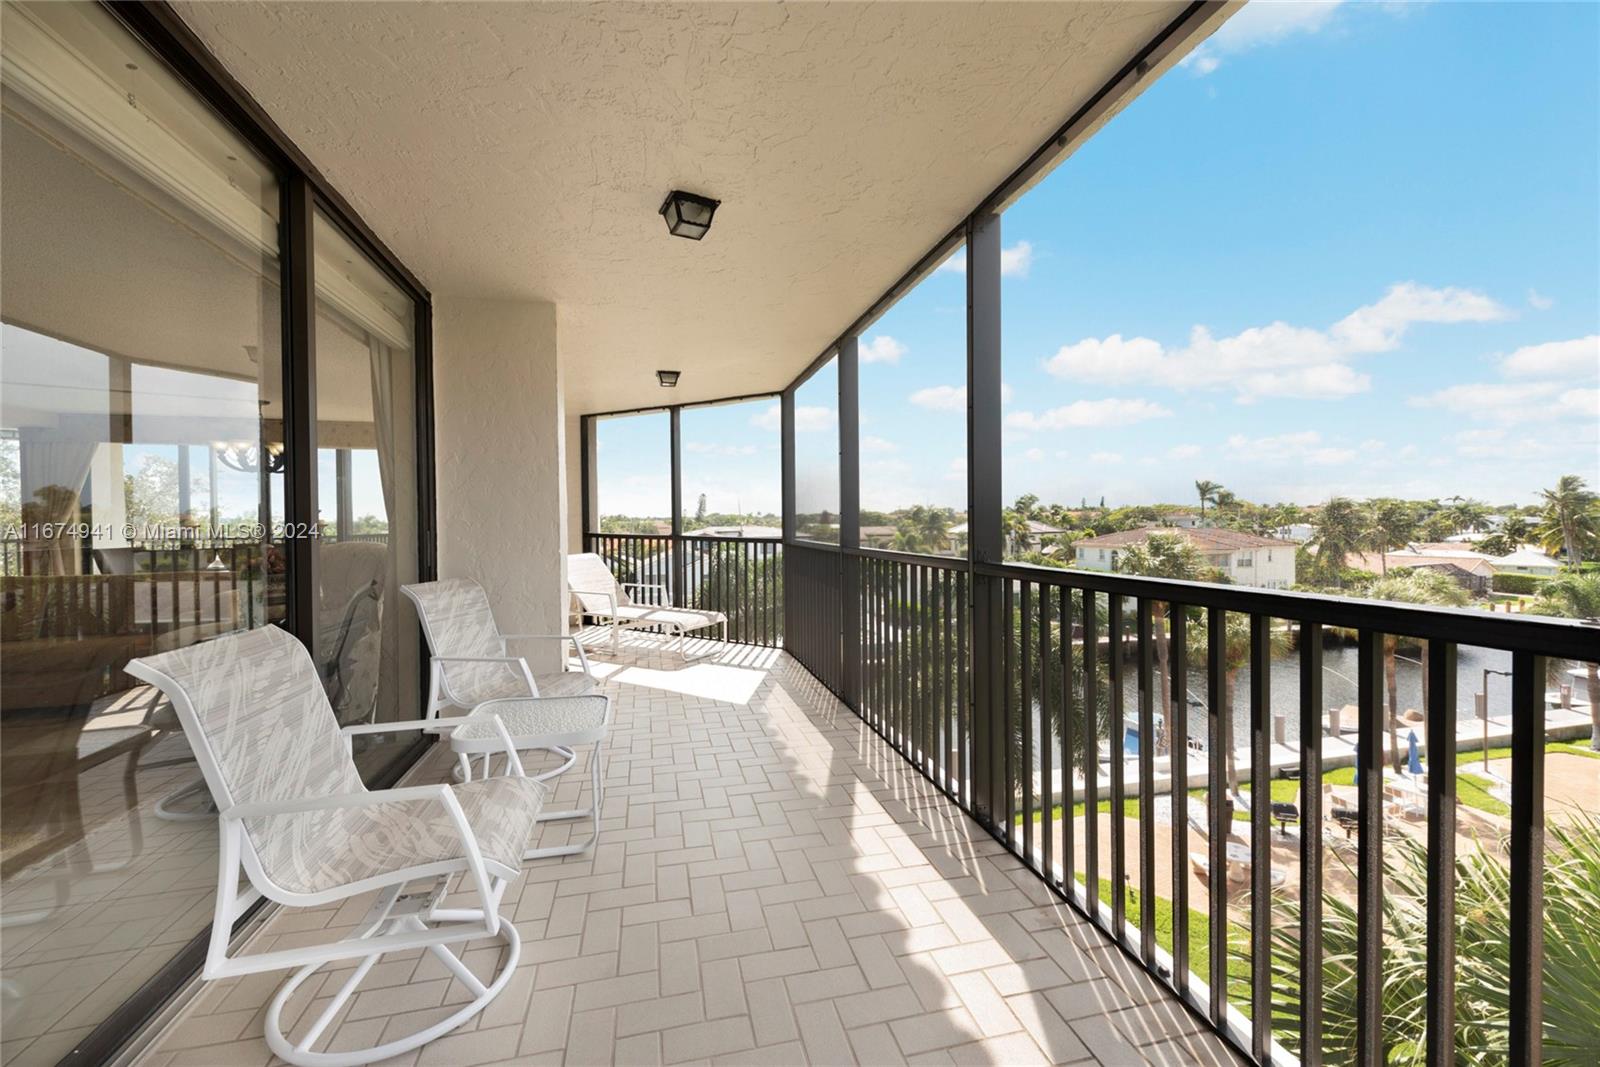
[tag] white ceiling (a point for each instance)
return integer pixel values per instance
(522, 151)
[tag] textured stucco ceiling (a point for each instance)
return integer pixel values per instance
(522, 150)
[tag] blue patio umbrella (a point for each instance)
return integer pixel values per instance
(1413, 758)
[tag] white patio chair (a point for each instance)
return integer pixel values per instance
(295, 817)
(602, 597)
(472, 668)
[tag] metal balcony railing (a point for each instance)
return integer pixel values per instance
(740, 577)
(1052, 711)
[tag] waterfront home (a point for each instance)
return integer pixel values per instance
(1244, 558)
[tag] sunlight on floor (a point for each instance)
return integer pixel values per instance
(709, 681)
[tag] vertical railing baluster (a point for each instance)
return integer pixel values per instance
(1178, 787)
(1091, 759)
(1218, 714)
(946, 679)
(1311, 841)
(1527, 858)
(1441, 923)
(1068, 798)
(1369, 859)
(1025, 711)
(1260, 834)
(1007, 675)
(1119, 845)
(1047, 792)
(1143, 620)
(925, 707)
(964, 689)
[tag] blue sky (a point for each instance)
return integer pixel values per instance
(1344, 248)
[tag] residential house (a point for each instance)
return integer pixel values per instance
(1245, 558)
(1472, 570)
(1527, 560)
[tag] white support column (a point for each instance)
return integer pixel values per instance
(501, 459)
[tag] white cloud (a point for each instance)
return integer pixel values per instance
(710, 449)
(1015, 262)
(880, 349)
(1576, 359)
(1303, 447)
(1034, 455)
(1509, 403)
(807, 418)
(1276, 359)
(869, 443)
(1112, 411)
(1538, 301)
(951, 397)
(1183, 451)
(1105, 457)
(1261, 22)
(941, 398)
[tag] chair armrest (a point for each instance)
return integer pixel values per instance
(664, 602)
(478, 659)
(583, 658)
(350, 732)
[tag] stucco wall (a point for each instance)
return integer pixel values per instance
(501, 459)
(574, 436)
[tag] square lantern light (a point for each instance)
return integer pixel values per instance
(688, 215)
(667, 378)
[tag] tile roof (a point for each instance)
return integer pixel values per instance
(1205, 538)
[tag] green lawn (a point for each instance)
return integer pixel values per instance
(1472, 790)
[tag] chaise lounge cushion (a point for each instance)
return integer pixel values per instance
(679, 618)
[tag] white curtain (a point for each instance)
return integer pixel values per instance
(53, 473)
(382, 361)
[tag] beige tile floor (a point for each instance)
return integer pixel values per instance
(774, 885)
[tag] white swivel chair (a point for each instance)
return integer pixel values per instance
(295, 818)
(472, 668)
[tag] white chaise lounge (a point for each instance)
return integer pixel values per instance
(295, 817)
(600, 596)
(472, 668)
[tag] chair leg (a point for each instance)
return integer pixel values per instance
(597, 801)
(300, 1052)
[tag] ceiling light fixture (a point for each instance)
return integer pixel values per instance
(668, 378)
(688, 215)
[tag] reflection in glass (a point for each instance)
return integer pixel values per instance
(140, 484)
(366, 483)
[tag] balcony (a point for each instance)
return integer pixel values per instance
(372, 446)
(775, 884)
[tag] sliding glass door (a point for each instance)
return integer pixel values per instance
(144, 482)
(366, 643)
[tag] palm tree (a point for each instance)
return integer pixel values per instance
(1336, 532)
(1410, 587)
(933, 527)
(1208, 493)
(1014, 525)
(1389, 524)
(1576, 596)
(1516, 530)
(1483, 959)
(1466, 513)
(1163, 555)
(1569, 521)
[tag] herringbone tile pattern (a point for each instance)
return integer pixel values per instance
(774, 885)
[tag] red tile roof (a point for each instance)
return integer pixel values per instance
(1205, 538)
